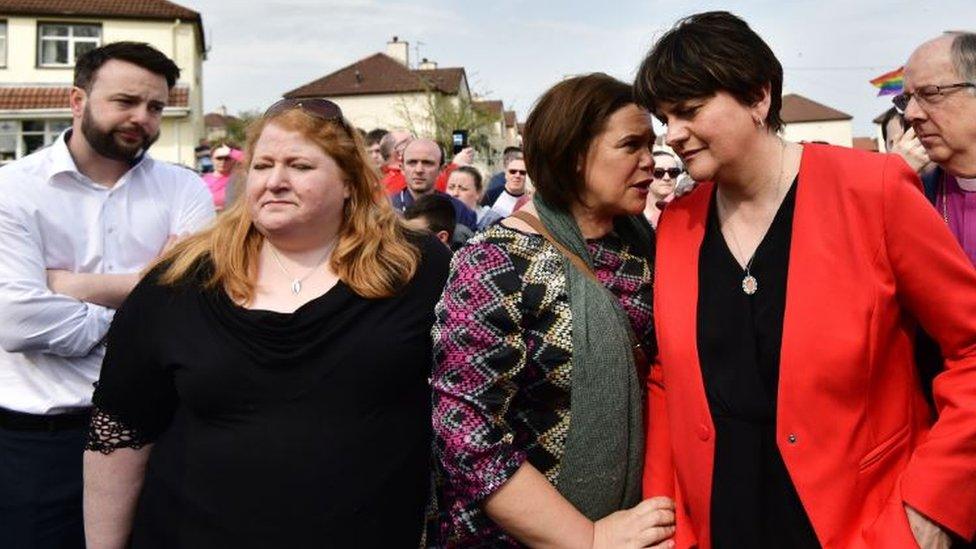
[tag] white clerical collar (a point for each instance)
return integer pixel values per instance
(968, 185)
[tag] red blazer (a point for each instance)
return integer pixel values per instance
(869, 256)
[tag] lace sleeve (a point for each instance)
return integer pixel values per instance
(107, 433)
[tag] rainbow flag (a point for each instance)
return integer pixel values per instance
(890, 83)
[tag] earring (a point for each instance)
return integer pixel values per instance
(760, 123)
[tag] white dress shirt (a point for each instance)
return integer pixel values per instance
(54, 217)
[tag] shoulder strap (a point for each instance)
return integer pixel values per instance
(535, 223)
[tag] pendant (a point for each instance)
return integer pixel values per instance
(296, 286)
(750, 285)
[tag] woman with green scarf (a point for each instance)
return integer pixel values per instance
(540, 343)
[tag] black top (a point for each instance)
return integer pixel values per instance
(754, 503)
(309, 429)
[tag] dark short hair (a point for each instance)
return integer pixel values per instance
(473, 172)
(560, 128)
(137, 53)
(375, 136)
(511, 153)
(706, 53)
(437, 210)
(886, 117)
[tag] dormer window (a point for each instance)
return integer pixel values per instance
(60, 44)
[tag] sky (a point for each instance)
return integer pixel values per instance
(515, 50)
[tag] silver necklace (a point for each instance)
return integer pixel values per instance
(750, 284)
(296, 283)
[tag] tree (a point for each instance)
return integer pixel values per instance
(237, 126)
(439, 114)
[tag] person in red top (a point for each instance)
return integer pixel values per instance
(785, 399)
(391, 147)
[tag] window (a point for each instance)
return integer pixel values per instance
(60, 44)
(19, 138)
(3, 43)
(8, 140)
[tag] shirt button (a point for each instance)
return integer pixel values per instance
(111, 230)
(704, 433)
(111, 268)
(791, 438)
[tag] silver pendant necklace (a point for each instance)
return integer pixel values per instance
(296, 283)
(750, 284)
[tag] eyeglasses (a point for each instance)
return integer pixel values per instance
(519, 172)
(927, 94)
(673, 172)
(319, 108)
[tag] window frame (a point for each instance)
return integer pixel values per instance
(71, 40)
(48, 133)
(5, 36)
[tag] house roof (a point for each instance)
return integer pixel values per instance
(797, 108)
(380, 74)
(510, 119)
(217, 120)
(490, 106)
(866, 144)
(56, 97)
(113, 9)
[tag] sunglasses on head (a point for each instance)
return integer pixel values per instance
(519, 172)
(673, 172)
(319, 108)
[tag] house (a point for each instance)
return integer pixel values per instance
(215, 124)
(384, 91)
(40, 40)
(513, 131)
(807, 120)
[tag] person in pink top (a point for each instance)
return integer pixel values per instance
(224, 159)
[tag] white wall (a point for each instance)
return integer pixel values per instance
(180, 132)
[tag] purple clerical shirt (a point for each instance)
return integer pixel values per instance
(958, 207)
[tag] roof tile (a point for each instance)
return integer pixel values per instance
(797, 108)
(380, 73)
(145, 9)
(56, 97)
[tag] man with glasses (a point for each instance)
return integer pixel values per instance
(939, 102)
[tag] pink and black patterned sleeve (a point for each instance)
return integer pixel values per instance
(479, 352)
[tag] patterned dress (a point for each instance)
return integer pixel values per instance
(503, 367)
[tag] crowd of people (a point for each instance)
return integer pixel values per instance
(342, 338)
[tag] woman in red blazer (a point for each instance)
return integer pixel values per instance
(785, 405)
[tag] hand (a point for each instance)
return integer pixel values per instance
(650, 523)
(911, 149)
(927, 533)
(464, 158)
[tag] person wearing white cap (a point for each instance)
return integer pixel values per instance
(224, 160)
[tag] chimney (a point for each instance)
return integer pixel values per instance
(399, 50)
(427, 65)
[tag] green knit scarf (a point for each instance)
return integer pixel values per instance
(602, 464)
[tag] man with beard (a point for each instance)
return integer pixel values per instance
(78, 221)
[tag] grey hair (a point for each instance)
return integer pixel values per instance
(963, 54)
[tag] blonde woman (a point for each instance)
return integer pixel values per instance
(255, 376)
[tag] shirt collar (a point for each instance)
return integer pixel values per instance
(61, 161)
